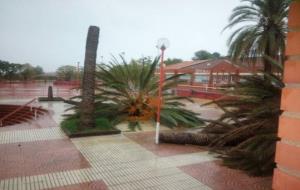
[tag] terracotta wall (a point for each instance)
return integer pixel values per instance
(287, 173)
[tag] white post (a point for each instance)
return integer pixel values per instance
(35, 114)
(157, 133)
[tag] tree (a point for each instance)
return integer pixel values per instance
(4, 67)
(10, 71)
(250, 122)
(216, 55)
(87, 106)
(170, 61)
(128, 92)
(16, 71)
(28, 71)
(38, 70)
(203, 55)
(245, 135)
(262, 31)
(66, 72)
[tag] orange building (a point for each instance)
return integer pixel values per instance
(205, 77)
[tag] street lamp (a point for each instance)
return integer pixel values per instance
(78, 72)
(162, 44)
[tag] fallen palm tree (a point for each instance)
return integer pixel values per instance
(246, 134)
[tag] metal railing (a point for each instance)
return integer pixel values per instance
(19, 108)
(204, 87)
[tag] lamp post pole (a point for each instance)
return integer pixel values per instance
(78, 72)
(162, 45)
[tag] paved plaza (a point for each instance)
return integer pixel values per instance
(38, 155)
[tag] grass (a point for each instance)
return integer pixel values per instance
(70, 126)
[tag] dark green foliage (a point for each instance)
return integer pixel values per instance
(247, 131)
(170, 61)
(246, 134)
(15, 71)
(262, 28)
(127, 92)
(203, 55)
(71, 124)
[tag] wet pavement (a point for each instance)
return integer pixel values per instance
(37, 155)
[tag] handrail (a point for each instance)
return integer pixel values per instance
(198, 86)
(15, 111)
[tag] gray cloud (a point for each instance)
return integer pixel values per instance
(51, 33)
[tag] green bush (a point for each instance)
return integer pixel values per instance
(71, 125)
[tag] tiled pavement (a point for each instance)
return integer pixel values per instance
(118, 161)
(146, 140)
(221, 178)
(39, 157)
(44, 158)
(31, 135)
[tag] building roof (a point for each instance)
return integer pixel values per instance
(209, 65)
(183, 65)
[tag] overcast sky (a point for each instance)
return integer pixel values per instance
(52, 33)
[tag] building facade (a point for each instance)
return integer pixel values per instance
(205, 78)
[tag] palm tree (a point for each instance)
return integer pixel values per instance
(246, 134)
(87, 107)
(252, 111)
(262, 31)
(128, 92)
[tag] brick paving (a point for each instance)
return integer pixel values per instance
(220, 177)
(146, 140)
(40, 157)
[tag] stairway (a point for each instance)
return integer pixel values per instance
(15, 114)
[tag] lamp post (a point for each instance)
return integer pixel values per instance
(78, 72)
(162, 44)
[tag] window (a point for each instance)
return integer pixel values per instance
(202, 78)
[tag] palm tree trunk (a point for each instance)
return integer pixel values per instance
(267, 67)
(200, 139)
(267, 64)
(272, 52)
(88, 82)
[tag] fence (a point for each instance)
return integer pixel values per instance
(36, 89)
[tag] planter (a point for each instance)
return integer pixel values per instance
(91, 133)
(46, 99)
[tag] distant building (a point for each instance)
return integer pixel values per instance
(204, 77)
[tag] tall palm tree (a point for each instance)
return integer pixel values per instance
(261, 32)
(87, 107)
(246, 134)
